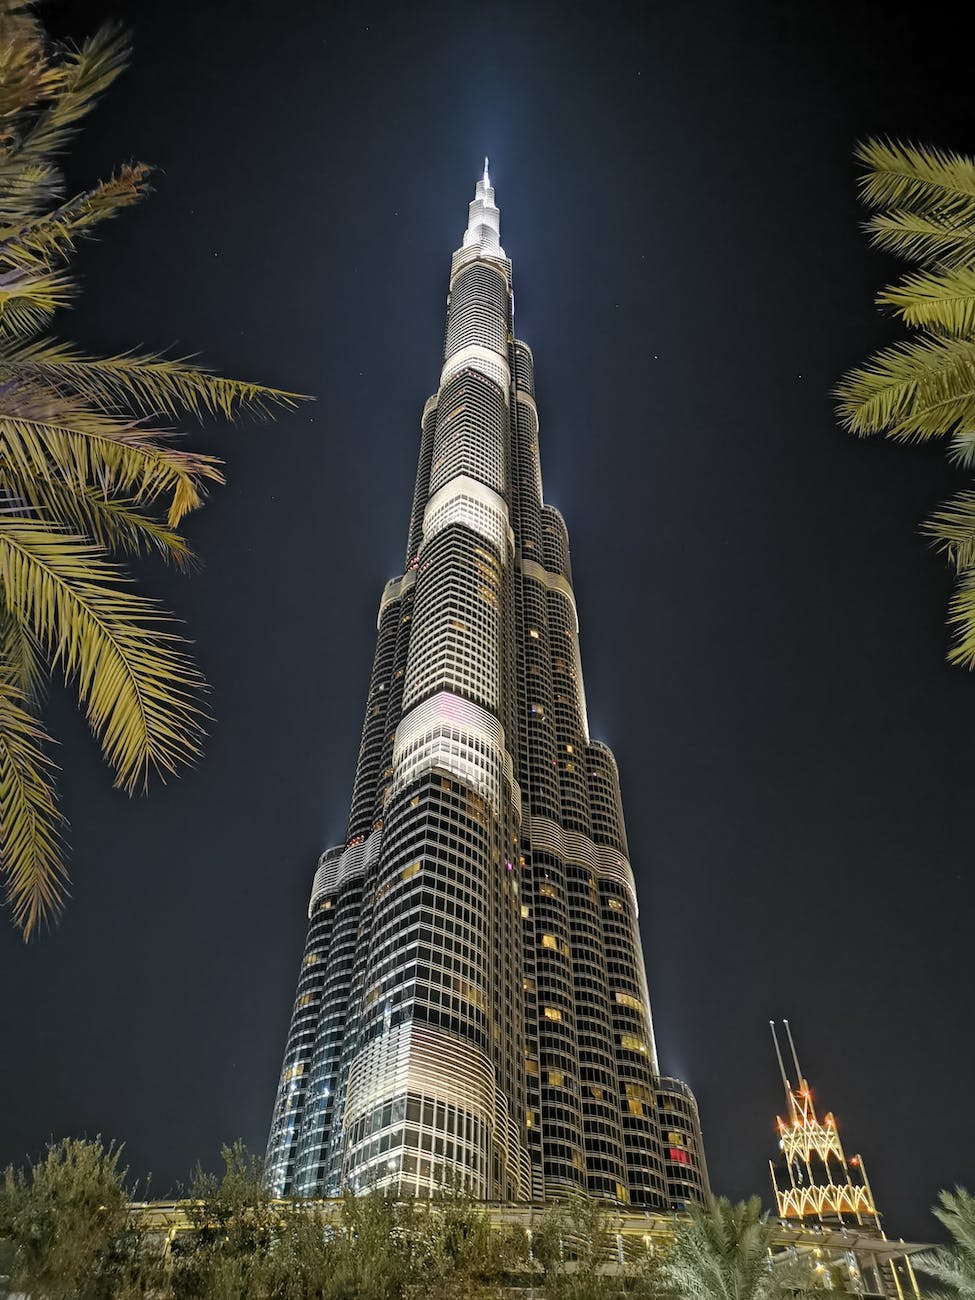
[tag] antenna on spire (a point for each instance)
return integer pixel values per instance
(794, 1056)
(778, 1057)
(487, 178)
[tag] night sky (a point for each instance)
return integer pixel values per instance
(762, 623)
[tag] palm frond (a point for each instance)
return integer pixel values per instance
(117, 525)
(54, 233)
(922, 238)
(84, 75)
(139, 689)
(954, 1266)
(953, 529)
(31, 848)
(911, 177)
(50, 438)
(29, 298)
(935, 301)
(27, 75)
(915, 390)
(22, 660)
(145, 383)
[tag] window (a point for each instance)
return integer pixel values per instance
(549, 941)
(553, 1013)
(410, 871)
(597, 1093)
(628, 1000)
(525, 911)
(630, 1043)
(556, 1079)
(634, 1107)
(533, 633)
(616, 904)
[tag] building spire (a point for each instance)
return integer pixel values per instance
(483, 231)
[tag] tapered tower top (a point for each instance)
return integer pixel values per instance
(484, 220)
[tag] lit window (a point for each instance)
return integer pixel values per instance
(556, 1079)
(635, 1107)
(569, 749)
(597, 1093)
(533, 633)
(628, 1000)
(531, 1067)
(616, 904)
(630, 1043)
(525, 911)
(410, 871)
(528, 983)
(548, 941)
(553, 1013)
(547, 890)
(538, 710)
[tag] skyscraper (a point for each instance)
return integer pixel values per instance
(472, 1004)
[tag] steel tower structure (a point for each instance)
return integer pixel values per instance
(472, 1003)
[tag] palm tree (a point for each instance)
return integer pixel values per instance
(87, 471)
(954, 1265)
(722, 1252)
(923, 203)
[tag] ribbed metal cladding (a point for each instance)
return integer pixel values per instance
(472, 1004)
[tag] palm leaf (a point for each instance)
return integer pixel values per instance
(84, 75)
(116, 525)
(54, 439)
(923, 238)
(953, 1266)
(139, 689)
(29, 298)
(912, 391)
(31, 850)
(22, 661)
(145, 383)
(943, 301)
(915, 178)
(953, 528)
(54, 233)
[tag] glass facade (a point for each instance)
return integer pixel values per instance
(472, 1005)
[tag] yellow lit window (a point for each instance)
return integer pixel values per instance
(597, 1093)
(628, 1000)
(630, 1043)
(549, 941)
(410, 871)
(531, 1067)
(569, 749)
(326, 905)
(675, 1139)
(622, 1194)
(553, 1013)
(525, 912)
(635, 1107)
(640, 1091)
(570, 767)
(458, 625)
(556, 1079)
(529, 984)
(547, 890)
(533, 633)
(311, 959)
(530, 1119)
(616, 905)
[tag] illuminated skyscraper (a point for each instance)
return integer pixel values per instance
(472, 1004)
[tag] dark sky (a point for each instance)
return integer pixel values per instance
(762, 624)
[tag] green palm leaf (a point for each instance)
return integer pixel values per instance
(55, 439)
(912, 391)
(146, 384)
(953, 1266)
(923, 238)
(953, 528)
(53, 234)
(943, 301)
(31, 850)
(139, 689)
(914, 178)
(115, 524)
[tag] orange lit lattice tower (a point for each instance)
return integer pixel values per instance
(815, 1183)
(814, 1179)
